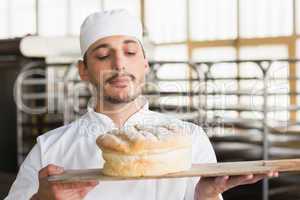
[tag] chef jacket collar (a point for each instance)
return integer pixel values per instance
(107, 121)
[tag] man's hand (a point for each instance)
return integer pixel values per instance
(211, 188)
(60, 191)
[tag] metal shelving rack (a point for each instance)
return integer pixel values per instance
(264, 126)
(195, 111)
(37, 100)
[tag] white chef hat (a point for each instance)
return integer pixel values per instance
(99, 25)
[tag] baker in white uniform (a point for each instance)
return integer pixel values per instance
(115, 64)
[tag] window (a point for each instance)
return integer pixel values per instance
(133, 6)
(213, 19)
(20, 23)
(224, 79)
(298, 16)
(53, 17)
(214, 54)
(165, 24)
(262, 18)
(264, 52)
(277, 89)
(79, 10)
(4, 19)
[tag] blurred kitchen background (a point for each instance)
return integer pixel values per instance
(231, 66)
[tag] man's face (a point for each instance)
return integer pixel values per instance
(116, 67)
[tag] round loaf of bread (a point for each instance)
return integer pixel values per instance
(141, 150)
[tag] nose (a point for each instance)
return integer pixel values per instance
(118, 61)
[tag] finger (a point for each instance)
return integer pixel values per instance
(270, 174)
(255, 179)
(239, 180)
(70, 195)
(76, 185)
(273, 174)
(77, 193)
(83, 192)
(221, 182)
(259, 177)
(50, 170)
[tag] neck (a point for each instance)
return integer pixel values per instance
(119, 113)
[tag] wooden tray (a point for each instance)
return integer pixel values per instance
(197, 170)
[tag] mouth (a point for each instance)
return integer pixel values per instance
(120, 81)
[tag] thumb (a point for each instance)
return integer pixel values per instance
(50, 170)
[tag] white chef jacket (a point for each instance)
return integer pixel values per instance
(73, 146)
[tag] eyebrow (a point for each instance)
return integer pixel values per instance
(108, 46)
(100, 46)
(129, 41)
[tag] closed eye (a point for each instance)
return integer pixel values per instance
(102, 57)
(131, 53)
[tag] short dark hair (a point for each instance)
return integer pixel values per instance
(85, 59)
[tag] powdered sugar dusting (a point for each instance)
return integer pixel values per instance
(148, 132)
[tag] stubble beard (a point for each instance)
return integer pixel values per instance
(132, 94)
(117, 100)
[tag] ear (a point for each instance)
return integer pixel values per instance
(83, 71)
(147, 67)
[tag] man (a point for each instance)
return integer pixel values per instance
(115, 64)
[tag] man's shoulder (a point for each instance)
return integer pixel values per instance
(54, 132)
(69, 130)
(54, 135)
